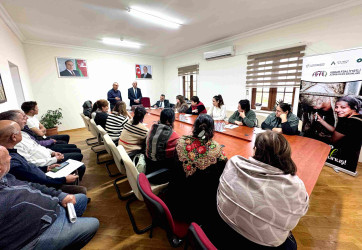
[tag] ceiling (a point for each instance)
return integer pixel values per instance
(85, 22)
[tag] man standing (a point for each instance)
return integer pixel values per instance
(69, 71)
(145, 73)
(162, 103)
(114, 95)
(134, 94)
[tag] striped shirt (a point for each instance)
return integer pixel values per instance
(33, 152)
(115, 124)
(133, 137)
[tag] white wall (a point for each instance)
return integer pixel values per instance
(11, 49)
(69, 94)
(329, 33)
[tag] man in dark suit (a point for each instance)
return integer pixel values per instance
(162, 103)
(134, 94)
(69, 71)
(145, 73)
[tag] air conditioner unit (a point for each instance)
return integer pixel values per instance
(219, 53)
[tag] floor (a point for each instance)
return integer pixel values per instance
(334, 219)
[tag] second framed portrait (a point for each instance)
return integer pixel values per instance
(143, 71)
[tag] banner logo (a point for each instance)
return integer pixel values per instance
(333, 63)
(359, 60)
(320, 73)
(333, 151)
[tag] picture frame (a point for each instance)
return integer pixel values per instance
(2, 92)
(71, 67)
(143, 72)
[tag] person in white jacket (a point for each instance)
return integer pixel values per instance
(218, 109)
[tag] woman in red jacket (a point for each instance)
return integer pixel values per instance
(197, 107)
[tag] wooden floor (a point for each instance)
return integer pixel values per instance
(334, 219)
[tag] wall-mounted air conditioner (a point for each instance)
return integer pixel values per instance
(219, 53)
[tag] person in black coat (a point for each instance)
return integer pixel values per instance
(162, 103)
(134, 94)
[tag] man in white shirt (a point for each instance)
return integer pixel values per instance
(31, 109)
(32, 151)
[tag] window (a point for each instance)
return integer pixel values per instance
(188, 80)
(274, 76)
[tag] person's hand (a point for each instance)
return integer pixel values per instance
(69, 179)
(68, 199)
(59, 156)
(137, 101)
(117, 98)
(50, 167)
(242, 114)
(195, 111)
(283, 116)
(278, 130)
(239, 123)
(54, 141)
(155, 106)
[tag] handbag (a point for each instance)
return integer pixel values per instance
(140, 162)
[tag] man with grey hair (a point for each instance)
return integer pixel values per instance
(69, 69)
(134, 94)
(10, 135)
(34, 216)
(32, 151)
(114, 95)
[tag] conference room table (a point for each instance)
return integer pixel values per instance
(308, 154)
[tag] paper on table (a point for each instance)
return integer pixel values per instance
(258, 130)
(231, 126)
(71, 167)
(187, 115)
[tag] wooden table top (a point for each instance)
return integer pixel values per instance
(308, 154)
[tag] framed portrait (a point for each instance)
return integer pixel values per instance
(143, 71)
(2, 91)
(70, 67)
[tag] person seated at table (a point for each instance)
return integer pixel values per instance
(218, 109)
(197, 107)
(181, 105)
(199, 163)
(162, 103)
(347, 135)
(87, 108)
(134, 134)
(101, 117)
(94, 111)
(116, 120)
(260, 199)
(160, 145)
(282, 121)
(244, 116)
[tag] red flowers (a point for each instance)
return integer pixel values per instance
(188, 168)
(196, 144)
(189, 148)
(201, 150)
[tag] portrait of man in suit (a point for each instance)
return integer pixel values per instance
(69, 69)
(145, 73)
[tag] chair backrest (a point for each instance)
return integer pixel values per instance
(83, 118)
(159, 211)
(197, 239)
(106, 144)
(87, 121)
(131, 171)
(95, 131)
(115, 153)
(145, 101)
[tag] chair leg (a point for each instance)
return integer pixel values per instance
(109, 171)
(101, 153)
(120, 196)
(135, 228)
(89, 139)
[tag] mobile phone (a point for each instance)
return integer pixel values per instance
(62, 165)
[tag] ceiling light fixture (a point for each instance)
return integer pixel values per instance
(155, 18)
(121, 42)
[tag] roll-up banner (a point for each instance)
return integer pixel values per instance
(330, 105)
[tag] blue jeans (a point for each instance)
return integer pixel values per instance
(65, 235)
